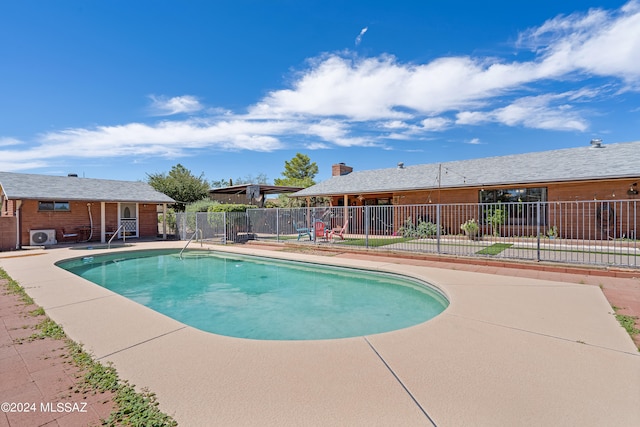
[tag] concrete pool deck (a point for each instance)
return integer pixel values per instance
(507, 351)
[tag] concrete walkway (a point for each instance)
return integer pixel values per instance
(508, 351)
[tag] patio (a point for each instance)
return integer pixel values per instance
(507, 351)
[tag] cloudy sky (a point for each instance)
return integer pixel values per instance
(121, 89)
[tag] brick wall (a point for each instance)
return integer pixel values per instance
(615, 189)
(339, 169)
(606, 220)
(7, 233)
(148, 221)
(77, 220)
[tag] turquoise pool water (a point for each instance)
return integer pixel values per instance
(263, 298)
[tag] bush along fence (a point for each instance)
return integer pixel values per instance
(582, 232)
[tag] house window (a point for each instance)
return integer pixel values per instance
(49, 206)
(520, 204)
(514, 195)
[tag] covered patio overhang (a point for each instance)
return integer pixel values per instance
(253, 192)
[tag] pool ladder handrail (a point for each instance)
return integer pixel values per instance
(192, 237)
(115, 233)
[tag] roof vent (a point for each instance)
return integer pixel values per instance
(72, 175)
(596, 143)
(400, 165)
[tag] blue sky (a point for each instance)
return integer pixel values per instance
(119, 89)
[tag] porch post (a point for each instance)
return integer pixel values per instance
(164, 221)
(18, 224)
(345, 209)
(103, 226)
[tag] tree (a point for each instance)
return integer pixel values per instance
(248, 179)
(496, 215)
(298, 172)
(181, 185)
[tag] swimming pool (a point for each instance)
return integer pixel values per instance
(263, 298)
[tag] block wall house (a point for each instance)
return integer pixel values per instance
(599, 178)
(47, 210)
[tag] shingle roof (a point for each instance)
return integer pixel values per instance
(19, 186)
(584, 163)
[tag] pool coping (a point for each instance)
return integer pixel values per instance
(506, 351)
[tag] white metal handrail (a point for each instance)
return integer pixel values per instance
(115, 234)
(189, 241)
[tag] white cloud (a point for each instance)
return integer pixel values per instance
(394, 124)
(359, 37)
(474, 141)
(5, 142)
(20, 164)
(168, 138)
(317, 146)
(436, 124)
(382, 88)
(605, 43)
(346, 100)
(162, 106)
(541, 112)
(471, 118)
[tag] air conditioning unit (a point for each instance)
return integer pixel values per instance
(42, 237)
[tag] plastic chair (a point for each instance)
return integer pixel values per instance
(302, 231)
(339, 231)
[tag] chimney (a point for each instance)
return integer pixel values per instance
(340, 169)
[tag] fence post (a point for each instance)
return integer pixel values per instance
(196, 230)
(277, 224)
(366, 225)
(224, 228)
(538, 228)
(438, 221)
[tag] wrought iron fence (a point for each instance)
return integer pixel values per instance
(583, 232)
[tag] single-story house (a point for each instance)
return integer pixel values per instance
(44, 210)
(251, 194)
(597, 171)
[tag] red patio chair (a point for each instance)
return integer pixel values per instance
(339, 231)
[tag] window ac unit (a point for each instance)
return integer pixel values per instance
(42, 237)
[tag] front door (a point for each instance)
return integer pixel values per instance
(128, 219)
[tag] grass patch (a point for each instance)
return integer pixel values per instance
(494, 249)
(627, 322)
(374, 243)
(37, 312)
(14, 287)
(48, 329)
(134, 408)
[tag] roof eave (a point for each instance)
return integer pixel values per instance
(453, 187)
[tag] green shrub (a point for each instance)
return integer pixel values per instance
(230, 208)
(496, 216)
(204, 205)
(171, 219)
(421, 230)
